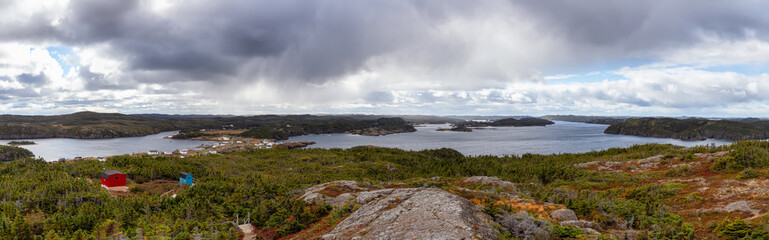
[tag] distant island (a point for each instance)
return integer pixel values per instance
(378, 127)
(92, 125)
(585, 119)
(512, 122)
(456, 128)
(692, 128)
(17, 143)
(505, 122)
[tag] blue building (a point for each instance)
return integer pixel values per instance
(186, 178)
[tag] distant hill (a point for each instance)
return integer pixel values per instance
(691, 129)
(79, 125)
(91, 125)
(585, 119)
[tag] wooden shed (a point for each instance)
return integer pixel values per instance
(186, 179)
(112, 178)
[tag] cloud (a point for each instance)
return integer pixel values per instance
(257, 56)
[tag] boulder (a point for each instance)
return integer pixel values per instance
(563, 215)
(738, 206)
(491, 181)
(415, 213)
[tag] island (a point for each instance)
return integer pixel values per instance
(692, 128)
(456, 128)
(22, 142)
(511, 122)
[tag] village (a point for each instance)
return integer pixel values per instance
(116, 182)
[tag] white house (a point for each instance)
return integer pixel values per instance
(153, 152)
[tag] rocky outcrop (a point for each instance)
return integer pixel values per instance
(414, 213)
(563, 215)
(523, 226)
(336, 193)
(490, 181)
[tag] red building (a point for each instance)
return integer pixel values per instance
(112, 178)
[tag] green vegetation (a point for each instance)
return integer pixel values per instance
(188, 134)
(93, 125)
(748, 173)
(9, 153)
(740, 229)
(691, 129)
(46, 198)
(296, 128)
(745, 154)
(512, 122)
(566, 232)
(16, 143)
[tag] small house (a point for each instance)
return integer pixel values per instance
(153, 152)
(186, 179)
(112, 178)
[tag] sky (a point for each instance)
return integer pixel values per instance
(430, 57)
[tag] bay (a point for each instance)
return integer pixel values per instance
(561, 137)
(51, 149)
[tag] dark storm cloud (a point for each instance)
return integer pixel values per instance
(634, 25)
(315, 41)
(32, 79)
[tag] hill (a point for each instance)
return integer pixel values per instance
(79, 125)
(691, 129)
(91, 125)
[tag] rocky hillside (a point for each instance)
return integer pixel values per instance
(691, 129)
(468, 208)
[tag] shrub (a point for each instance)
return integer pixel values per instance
(745, 154)
(748, 173)
(736, 229)
(566, 232)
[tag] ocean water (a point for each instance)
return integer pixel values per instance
(52, 149)
(561, 137)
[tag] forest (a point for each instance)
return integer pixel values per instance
(92, 125)
(63, 200)
(692, 128)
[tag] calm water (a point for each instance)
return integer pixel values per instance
(54, 148)
(562, 137)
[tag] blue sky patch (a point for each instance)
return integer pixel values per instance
(64, 56)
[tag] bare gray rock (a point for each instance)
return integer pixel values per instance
(524, 226)
(492, 182)
(415, 213)
(563, 215)
(316, 193)
(587, 164)
(738, 206)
